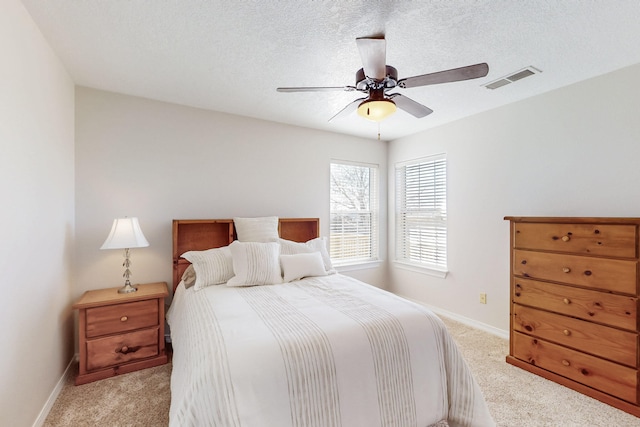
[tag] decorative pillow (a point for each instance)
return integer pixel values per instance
(212, 267)
(319, 244)
(189, 277)
(255, 263)
(264, 229)
(298, 266)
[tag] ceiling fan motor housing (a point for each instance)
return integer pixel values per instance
(363, 83)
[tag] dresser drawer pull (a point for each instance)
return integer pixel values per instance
(566, 238)
(566, 332)
(126, 350)
(566, 270)
(124, 318)
(565, 362)
(566, 301)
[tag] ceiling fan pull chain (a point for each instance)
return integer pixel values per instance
(378, 131)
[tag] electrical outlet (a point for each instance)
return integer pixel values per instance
(483, 298)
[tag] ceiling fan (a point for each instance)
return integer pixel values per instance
(376, 78)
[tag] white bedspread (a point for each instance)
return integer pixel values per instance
(328, 351)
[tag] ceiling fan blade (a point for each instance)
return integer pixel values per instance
(317, 89)
(454, 75)
(373, 53)
(410, 106)
(350, 108)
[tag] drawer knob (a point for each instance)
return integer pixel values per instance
(124, 318)
(125, 349)
(566, 332)
(565, 362)
(566, 301)
(566, 270)
(566, 238)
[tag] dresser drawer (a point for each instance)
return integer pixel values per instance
(615, 310)
(117, 318)
(597, 273)
(609, 377)
(613, 344)
(118, 349)
(593, 239)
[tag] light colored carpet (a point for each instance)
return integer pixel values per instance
(136, 399)
(515, 397)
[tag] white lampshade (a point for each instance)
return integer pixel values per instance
(125, 233)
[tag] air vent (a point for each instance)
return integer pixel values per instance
(518, 75)
(497, 84)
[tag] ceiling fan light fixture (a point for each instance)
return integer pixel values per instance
(376, 110)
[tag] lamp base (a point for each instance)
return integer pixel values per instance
(126, 289)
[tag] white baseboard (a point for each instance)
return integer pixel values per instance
(466, 320)
(55, 393)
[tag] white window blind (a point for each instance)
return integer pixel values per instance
(354, 213)
(421, 212)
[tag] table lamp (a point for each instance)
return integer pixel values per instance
(125, 234)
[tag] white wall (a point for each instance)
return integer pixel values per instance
(571, 152)
(160, 161)
(36, 186)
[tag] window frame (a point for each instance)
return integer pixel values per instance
(343, 261)
(429, 213)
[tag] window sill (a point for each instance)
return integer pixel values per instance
(359, 266)
(420, 269)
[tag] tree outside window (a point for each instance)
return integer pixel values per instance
(354, 213)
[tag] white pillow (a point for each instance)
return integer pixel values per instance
(319, 244)
(302, 265)
(213, 266)
(264, 229)
(255, 263)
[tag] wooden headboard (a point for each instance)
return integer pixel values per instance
(202, 234)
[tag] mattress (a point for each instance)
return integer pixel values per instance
(324, 351)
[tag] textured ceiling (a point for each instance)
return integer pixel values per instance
(230, 56)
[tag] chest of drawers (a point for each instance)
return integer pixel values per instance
(120, 333)
(574, 304)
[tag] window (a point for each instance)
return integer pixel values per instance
(421, 213)
(353, 213)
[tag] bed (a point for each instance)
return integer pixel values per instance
(319, 350)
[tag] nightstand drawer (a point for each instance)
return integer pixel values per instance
(118, 349)
(117, 318)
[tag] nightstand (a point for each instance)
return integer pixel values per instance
(120, 333)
